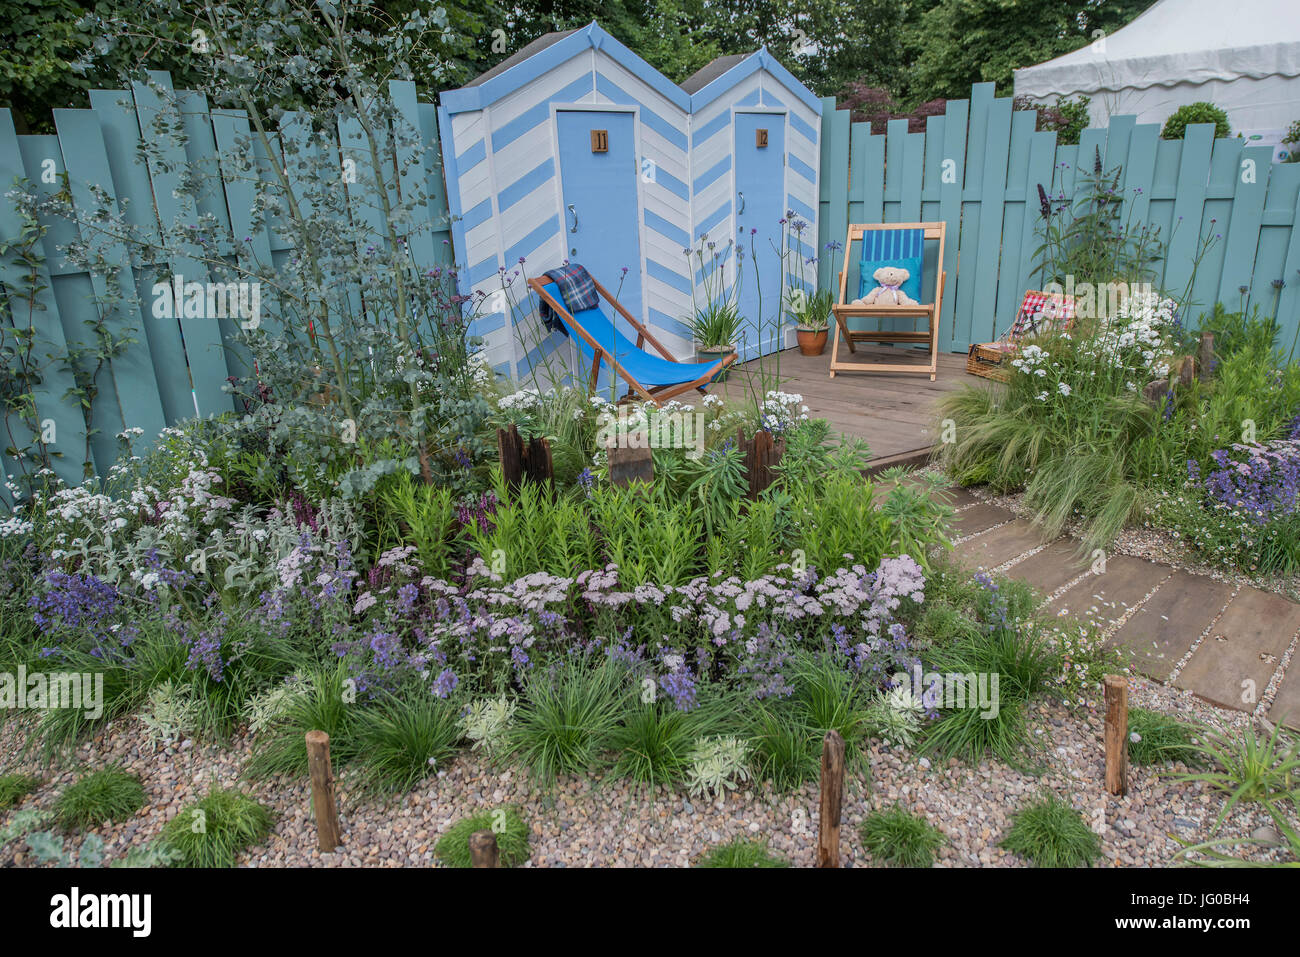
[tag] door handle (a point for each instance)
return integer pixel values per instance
(741, 210)
(575, 218)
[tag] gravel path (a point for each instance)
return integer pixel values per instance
(585, 822)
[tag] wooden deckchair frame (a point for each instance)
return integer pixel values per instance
(843, 311)
(656, 394)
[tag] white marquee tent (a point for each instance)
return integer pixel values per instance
(1243, 56)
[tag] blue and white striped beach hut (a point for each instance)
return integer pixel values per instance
(577, 149)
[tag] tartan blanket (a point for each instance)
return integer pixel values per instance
(577, 289)
(1041, 312)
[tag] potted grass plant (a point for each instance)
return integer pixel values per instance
(811, 316)
(714, 328)
(715, 320)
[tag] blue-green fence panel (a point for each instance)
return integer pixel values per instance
(979, 171)
(139, 149)
(58, 420)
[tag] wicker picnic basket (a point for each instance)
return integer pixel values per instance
(1039, 312)
(986, 359)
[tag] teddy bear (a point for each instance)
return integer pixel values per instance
(888, 291)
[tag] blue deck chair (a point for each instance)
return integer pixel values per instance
(655, 378)
(889, 244)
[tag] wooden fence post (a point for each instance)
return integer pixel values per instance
(628, 465)
(828, 831)
(1116, 734)
(520, 461)
(760, 455)
(483, 850)
(322, 791)
(1206, 357)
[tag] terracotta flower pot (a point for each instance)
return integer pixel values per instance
(812, 342)
(714, 354)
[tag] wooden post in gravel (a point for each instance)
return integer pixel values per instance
(1116, 734)
(322, 791)
(483, 851)
(828, 831)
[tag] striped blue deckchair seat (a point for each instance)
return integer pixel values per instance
(892, 247)
(649, 370)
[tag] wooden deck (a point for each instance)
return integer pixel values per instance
(892, 411)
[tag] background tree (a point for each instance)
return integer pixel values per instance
(966, 41)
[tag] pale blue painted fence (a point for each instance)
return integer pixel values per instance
(995, 160)
(174, 367)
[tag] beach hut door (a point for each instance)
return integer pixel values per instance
(760, 204)
(598, 178)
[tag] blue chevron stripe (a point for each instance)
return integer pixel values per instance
(715, 125)
(534, 239)
(802, 210)
(649, 117)
(668, 324)
(671, 183)
(669, 230)
(478, 215)
(534, 178)
(803, 129)
(483, 270)
(472, 156)
(802, 168)
(717, 216)
(533, 117)
(720, 168)
(666, 275)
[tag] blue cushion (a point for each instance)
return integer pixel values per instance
(900, 248)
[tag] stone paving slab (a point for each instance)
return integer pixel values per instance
(991, 548)
(979, 518)
(959, 497)
(1105, 598)
(1166, 627)
(1245, 645)
(1051, 568)
(1286, 706)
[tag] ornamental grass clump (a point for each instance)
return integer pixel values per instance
(740, 853)
(214, 831)
(900, 838)
(1072, 428)
(568, 716)
(1155, 738)
(110, 794)
(1247, 766)
(1050, 833)
(15, 787)
(403, 738)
